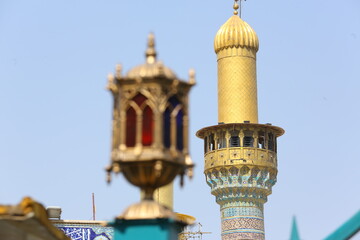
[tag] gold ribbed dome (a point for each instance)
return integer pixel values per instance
(236, 33)
(151, 68)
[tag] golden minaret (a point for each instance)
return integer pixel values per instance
(240, 154)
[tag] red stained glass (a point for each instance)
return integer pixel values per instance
(139, 99)
(130, 127)
(147, 126)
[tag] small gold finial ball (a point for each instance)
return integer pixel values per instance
(236, 12)
(236, 6)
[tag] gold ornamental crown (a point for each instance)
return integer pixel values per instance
(236, 33)
(152, 67)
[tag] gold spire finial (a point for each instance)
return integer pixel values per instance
(192, 76)
(111, 86)
(236, 7)
(118, 70)
(150, 51)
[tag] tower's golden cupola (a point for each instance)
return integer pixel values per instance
(236, 33)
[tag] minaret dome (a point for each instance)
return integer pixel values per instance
(236, 33)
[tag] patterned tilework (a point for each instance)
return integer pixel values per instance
(247, 236)
(86, 231)
(251, 183)
(241, 211)
(241, 192)
(242, 221)
(242, 224)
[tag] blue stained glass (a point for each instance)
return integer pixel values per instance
(166, 129)
(180, 131)
(174, 101)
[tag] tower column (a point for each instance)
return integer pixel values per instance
(237, 88)
(242, 220)
(165, 195)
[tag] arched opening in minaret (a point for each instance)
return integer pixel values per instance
(261, 140)
(206, 144)
(221, 140)
(234, 139)
(271, 141)
(211, 142)
(248, 139)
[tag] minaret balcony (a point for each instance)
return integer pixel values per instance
(240, 156)
(236, 144)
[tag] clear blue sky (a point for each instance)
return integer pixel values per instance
(55, 114)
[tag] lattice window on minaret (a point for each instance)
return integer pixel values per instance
(271, 142)
(234, 139)
(222, 140)
(211, 142)
(261, 140)
(248, 139)
(206, 144)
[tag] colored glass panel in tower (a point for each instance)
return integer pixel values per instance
(139, 99)
(179, 130)
(147, 126)
(167, 130)
(130, 127)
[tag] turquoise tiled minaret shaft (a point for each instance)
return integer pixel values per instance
(241, 193)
